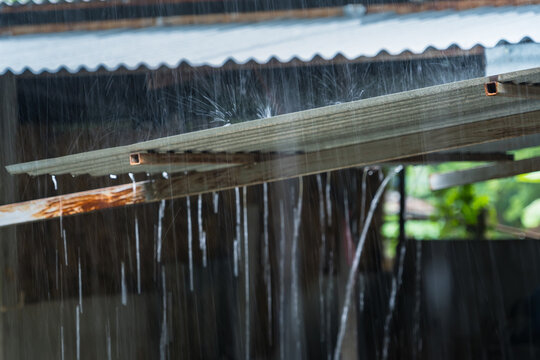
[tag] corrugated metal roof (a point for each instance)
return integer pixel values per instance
(283, 40)
(40, 2)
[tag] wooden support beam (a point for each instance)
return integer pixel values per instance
(456, 156)
(522, 233)
(380, 151)
(372, 120)
(524, 91)
(140, 158)
(483, 173)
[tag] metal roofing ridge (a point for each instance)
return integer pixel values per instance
(533, 9)
(143, 65)
(41, 2)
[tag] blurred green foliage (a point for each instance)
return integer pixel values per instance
(513, 201)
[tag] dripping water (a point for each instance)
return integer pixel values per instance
(322, 255)
(396, 284)
(328, 199)
(190, 244)
(202, 234)
(266, 260)
(294, 263)
(80, 282)
(352, 272)
(53, 178)
(161, 214)
(78, 331)
(215, 198)
(246, 270)
(138, 255)
(124, 286)
(282, 282)
(163, 337)
(236, 248)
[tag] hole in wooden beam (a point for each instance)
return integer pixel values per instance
(491, 88)
(134, 159)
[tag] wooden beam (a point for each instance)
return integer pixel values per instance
(421, 112)
(530, 233)
(380, 151)
(483, 173)
(456, 156)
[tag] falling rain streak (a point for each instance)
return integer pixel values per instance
(202, 233)
(354, 267)
(246, 273)
(190, 243)
(161, 214)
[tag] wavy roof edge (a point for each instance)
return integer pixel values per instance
(43, 2)
(144, 66)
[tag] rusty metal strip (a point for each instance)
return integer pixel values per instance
(525, 91)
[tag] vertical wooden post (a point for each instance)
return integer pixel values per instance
(8, 246)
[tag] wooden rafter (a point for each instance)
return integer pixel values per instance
(371, 131)
(423, 111)
(483, 173)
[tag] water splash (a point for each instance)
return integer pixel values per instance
(190, 243)
(396, 284)
(124, 286)
(246, 271)
(138, 255)
(266, 261)
(202, 234)
(161, 214)
(356, 262)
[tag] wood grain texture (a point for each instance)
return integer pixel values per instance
(384, 150)
(422, 112)
(483, 173)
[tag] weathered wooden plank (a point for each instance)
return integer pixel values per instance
(384, 150)
(369, 120)
(76, 203)
(456, 156)
(483, 173)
